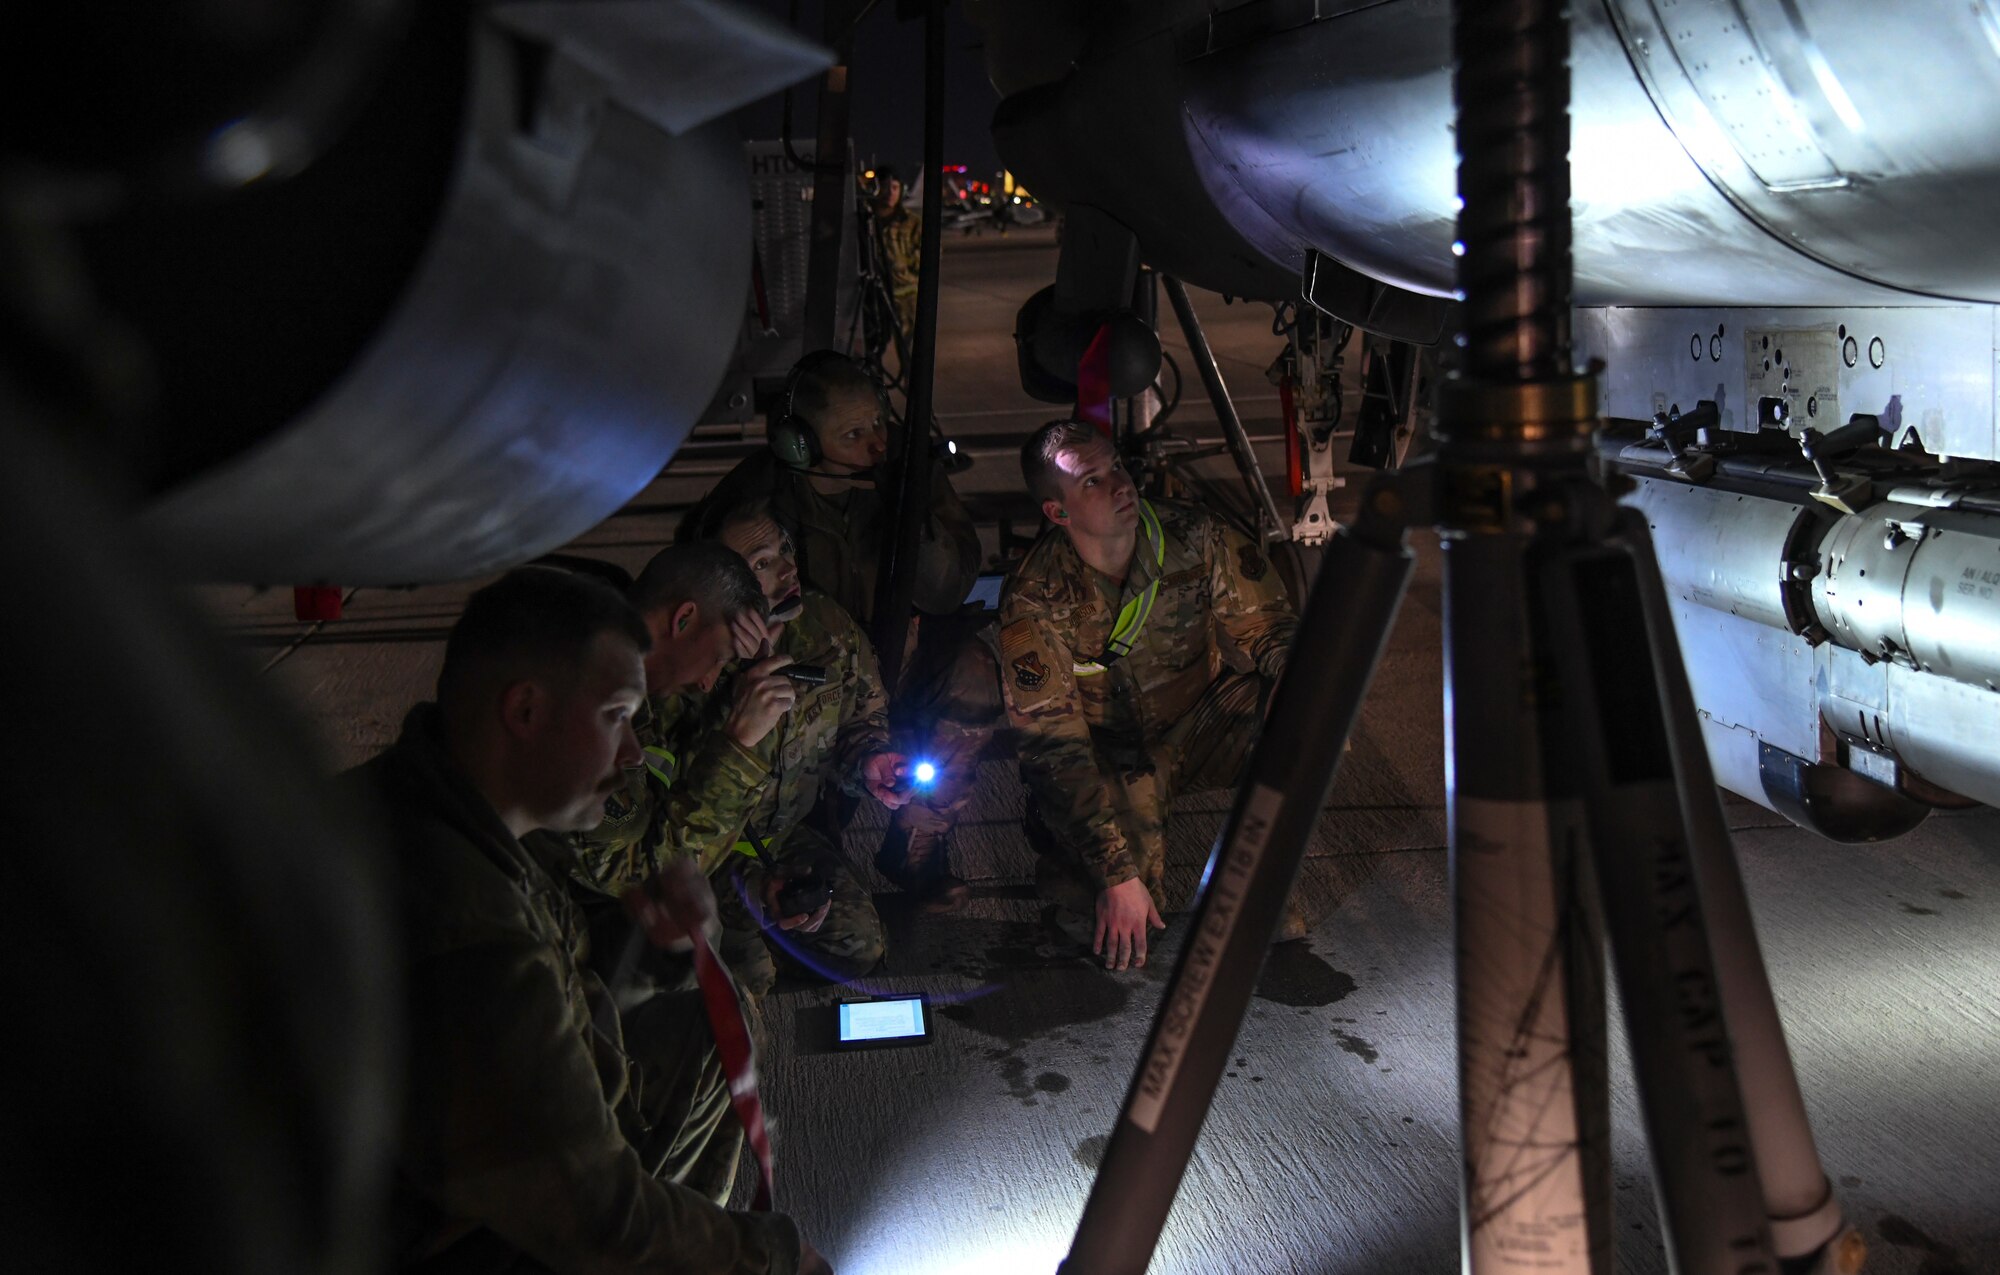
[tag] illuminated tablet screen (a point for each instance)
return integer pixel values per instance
(891, 1020)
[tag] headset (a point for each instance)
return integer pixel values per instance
(792, 439)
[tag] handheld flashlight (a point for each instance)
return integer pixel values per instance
(923, 774)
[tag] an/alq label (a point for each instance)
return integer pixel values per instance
(1190, 993)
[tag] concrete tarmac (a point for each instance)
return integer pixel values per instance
(1332, 1145)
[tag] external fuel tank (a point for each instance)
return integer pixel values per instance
(1733, 152)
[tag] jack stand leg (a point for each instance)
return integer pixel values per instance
(1808, 1230)
(1704, 1162)
(1250, 872)
(1535, 1154)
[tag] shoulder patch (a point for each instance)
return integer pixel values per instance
(1250, 561)
(1030, 671)
(1021, 652)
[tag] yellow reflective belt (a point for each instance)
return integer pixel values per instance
(661, 763)
(746, 848)
(1133, 615)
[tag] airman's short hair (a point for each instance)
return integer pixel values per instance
(704, 573)
(1044, 446)
(821, 376)
(717, 519)
(533, 622)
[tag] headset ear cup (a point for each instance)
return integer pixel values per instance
(794, 444)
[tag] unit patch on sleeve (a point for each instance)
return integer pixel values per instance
(1021, 649)
(1030, 672)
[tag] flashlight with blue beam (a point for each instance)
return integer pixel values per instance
(923, 773)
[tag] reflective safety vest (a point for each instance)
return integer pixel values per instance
(661, 763)
(1133, 615)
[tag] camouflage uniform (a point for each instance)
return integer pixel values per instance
(949, 705)
(688, 800)
(535, 1129)
(838, 536)
(901, 234)
(826, 736)
(1105, 748)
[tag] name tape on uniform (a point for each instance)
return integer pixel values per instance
(1232, 880)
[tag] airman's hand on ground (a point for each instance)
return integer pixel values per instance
(763, 694)
(1124, 913)
(887, 776)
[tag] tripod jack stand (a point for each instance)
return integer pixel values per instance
(1580, 795)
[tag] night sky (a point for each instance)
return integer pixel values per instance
(888, 83)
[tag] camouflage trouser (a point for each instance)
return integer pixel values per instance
(675, 1111)
(677, 1114)
(1206, 749)
(848, 944)
(946, 714)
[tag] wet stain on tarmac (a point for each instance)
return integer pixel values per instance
(1013, 1073)
(1087, 997)
(1090, 1152)
(1938, 1259)
(1914, 910)
(1084, 995)
(987, 950)
(1953, 894)
(1294, 976)
(1358, 1047)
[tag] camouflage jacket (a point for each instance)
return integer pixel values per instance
(839, 536)
(689, 799)
(902, 238)
(1218, 602)
(516, 1067)
(830, 731)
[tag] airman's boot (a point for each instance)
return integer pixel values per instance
(916, 855)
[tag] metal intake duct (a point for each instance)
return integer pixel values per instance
(460, 332)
